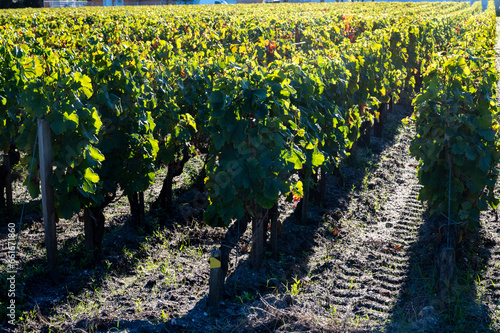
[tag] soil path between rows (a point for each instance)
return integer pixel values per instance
(362, 276)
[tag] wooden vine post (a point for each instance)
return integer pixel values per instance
(216, 283)
(8, 181)
(446, 264)
(48, 206)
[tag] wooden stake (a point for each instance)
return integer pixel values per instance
(216, 283)
(48, 206)
(8, 181)
(446, 273)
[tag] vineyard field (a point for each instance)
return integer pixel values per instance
(359, 265)
(345, 264)
(341, 157)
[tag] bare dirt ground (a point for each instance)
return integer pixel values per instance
(362, 263)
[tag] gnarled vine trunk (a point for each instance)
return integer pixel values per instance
(94, 230)
(93, 219)
(174, 169)
(136, 202)
(233, 235)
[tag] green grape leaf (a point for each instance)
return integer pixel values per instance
(91, 176)
(317, 158)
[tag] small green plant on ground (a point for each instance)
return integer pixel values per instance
(246, 297)
(295, 287)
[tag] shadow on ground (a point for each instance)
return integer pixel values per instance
(418, 308)
(258, 300)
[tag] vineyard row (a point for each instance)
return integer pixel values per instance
(269, 95)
